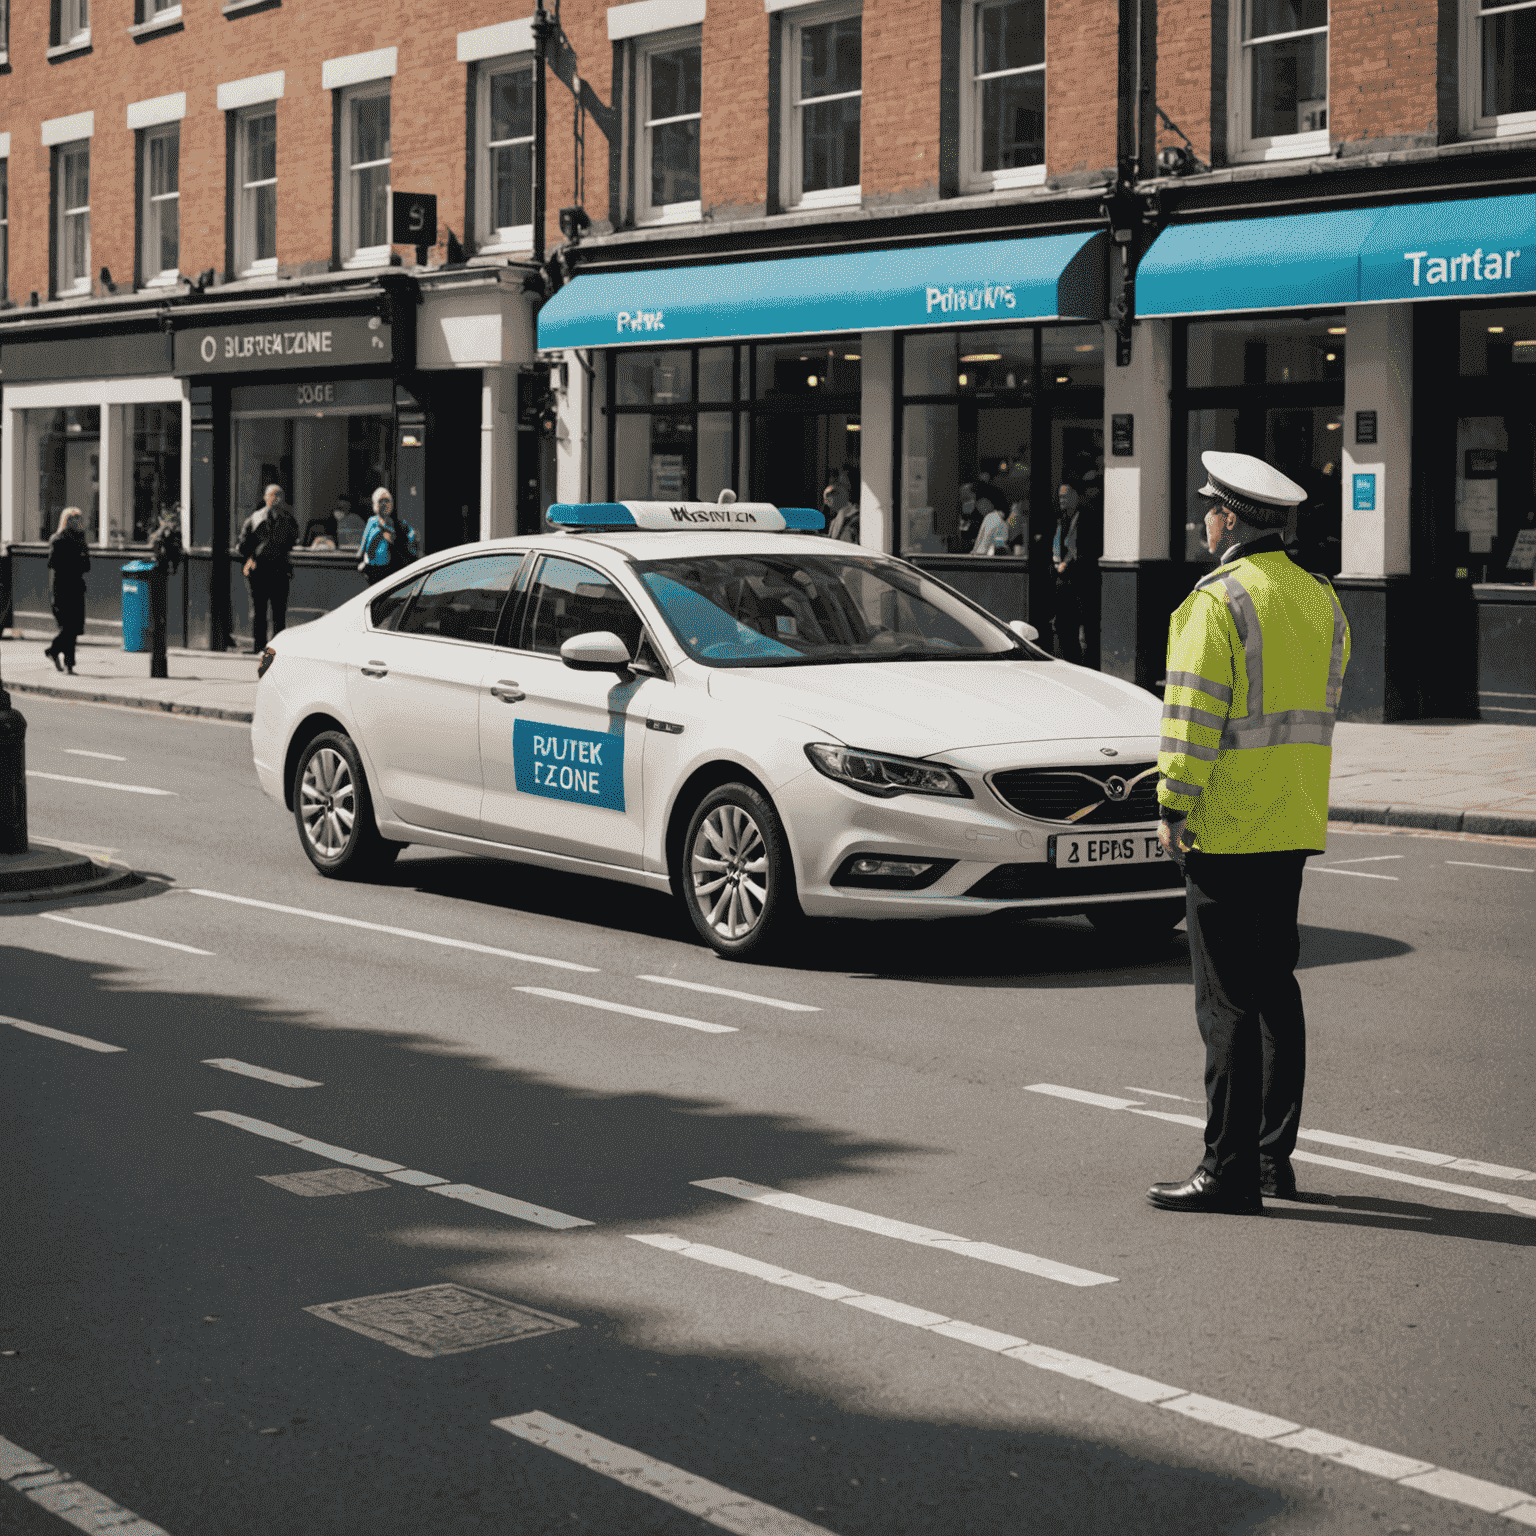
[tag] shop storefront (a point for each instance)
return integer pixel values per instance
(1378, 356)
(927, 386)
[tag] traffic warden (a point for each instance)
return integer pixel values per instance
(1256, 658)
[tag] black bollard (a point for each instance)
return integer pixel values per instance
(13, 777)
(157, 596)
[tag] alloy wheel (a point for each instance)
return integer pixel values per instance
(729, 865)
(328, 802)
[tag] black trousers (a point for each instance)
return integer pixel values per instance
(1244, 944)
(267, 588)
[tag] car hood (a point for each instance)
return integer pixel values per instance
(919, 708)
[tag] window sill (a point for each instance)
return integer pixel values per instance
(267, 268)
(163, 24)
(672, 213)
(161, 280)
(237, 8)
(1521, 127)
(371, 256)
(833, 197)
(62, 51)
(983, 182)
(508, 242)
(1297, 146)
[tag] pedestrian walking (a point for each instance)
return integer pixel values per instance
(266, 541)
(842, 512)
(1256, 659)
(69, 558)
(1075, 559)
(389, 542)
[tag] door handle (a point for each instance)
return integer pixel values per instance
(375, 669)
(507, 692)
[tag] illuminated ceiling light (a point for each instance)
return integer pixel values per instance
(811, 379)
(1525, 343)
(982, 357)
(1333, 426)
(1338, 330)
(853, 426)
(1062, 378)
(1330, 357)
(1495, 330)
(1086, 346)
(963, 381)
(851, 357)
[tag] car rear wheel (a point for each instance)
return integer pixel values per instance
(334, 811)
(1136, 921)
(738, 882)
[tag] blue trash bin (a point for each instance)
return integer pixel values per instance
(138, 631)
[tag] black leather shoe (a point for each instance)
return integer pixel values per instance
(1277, 1181)
(1202, 1191)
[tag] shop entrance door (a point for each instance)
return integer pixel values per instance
(1075, 459)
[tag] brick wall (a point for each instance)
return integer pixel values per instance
(1082, 59)
(899, 120)
(1382, 67)
(733, 151)
(1184, 71)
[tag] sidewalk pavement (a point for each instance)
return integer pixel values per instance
(1446, 775)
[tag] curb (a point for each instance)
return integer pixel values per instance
(164, 706)
(1485, 823)
(107, 877)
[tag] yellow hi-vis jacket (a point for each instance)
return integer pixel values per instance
(1256, 658)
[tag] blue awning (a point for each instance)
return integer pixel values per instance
(1047, 277)
(1469, 248)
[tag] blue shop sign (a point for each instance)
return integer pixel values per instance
(1365, 493)
(1047, 277)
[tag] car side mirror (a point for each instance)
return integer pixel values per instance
(599, 651)
(1022, 630)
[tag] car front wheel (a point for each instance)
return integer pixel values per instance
(738, 882)
(334, 811)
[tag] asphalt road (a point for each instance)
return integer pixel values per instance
(157, 1346)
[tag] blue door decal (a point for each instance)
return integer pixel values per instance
(563, 763)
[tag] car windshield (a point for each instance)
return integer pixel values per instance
(796, 609)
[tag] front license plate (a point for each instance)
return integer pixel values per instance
(1083, 850)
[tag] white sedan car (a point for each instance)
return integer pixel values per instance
(697, 698)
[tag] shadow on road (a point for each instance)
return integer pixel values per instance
(1423, 1220)
(156, 1291)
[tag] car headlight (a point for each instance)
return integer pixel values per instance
(878, 773)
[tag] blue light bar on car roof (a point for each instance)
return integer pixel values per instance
(686, 516)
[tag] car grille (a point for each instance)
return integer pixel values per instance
(1057, 794)
(1019, 882)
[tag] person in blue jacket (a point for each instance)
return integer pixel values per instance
(389, 542)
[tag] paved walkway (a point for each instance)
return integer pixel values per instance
(1451, 775)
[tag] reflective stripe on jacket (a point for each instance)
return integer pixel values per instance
(1256, 658)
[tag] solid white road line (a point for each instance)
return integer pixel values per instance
(1508, 869)
(846, 1216)
(723, 1508)
(1375, 858)
(109, 757)
(131, 789)
(1423, 1476)
(491, 1201)
(745, 997)
(398, 933)
(67, 1497)
(1152, 1093)
(637, 1013)
(282, 1079)
(122, 933)
(1328, 869)
(84, 1042)
(1381, 1148)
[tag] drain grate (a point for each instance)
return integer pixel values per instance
(323, 1181)
(439, 1320)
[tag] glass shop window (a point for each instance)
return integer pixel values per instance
(63, 467)
(1283, 351)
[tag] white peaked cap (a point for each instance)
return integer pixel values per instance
(1245, 478)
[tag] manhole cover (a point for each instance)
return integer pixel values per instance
(439, 1319)
(324, 1181)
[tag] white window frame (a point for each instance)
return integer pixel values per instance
(1284, 146)
(647, 212)
(512, 237)
(972, 177)
(1474, 122)
(247, 264)
(5, 224)
(155, 276)
(792, 193)
(74, 23)
(81, 283)
(354, 255)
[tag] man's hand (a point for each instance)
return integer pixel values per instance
(249, 567)
(1172, 844)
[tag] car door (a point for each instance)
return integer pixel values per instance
(414, 692)
(561, 750)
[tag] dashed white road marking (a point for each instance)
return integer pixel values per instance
(637, 1013)
(1375, 858)
(265, 1074)
(108, 757)
(486, 1198)
(130, 789)
(723, 1508)
(1408, 1472)
(865, 1221)
(1517, 1203)
(83, 1041)
(123, 933)
(67, 1497)
(398, 933)
(1359, 874)
(1508, 869)
(745, 997)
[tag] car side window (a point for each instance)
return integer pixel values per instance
(568, 598)
(462, 601)
(385, 611)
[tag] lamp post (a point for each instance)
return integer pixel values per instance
(544, 26)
